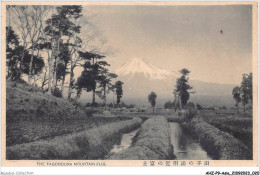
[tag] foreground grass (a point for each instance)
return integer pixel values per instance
(152, 141)
(90, 144)
(219, 144)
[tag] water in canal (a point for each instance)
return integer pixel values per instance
(125, 142)
(185, 146)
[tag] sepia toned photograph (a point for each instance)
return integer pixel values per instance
(129, 82)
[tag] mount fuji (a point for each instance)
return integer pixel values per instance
(140, 66)
(141, 77)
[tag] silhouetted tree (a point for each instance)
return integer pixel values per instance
(182, 87)
(61, 29)
(237, 96)
(246, 89)
(62, 70)
(86, 80)
(152, 99)
(250, 86)
(105, 84)
(119, 91)
(13, 52)
(92, 71)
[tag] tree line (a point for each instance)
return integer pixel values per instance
(44, 44)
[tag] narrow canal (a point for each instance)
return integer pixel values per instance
(185, 146)
(125, 142)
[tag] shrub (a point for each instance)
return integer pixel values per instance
(123, 105)
(169, 105)
(223, 107)
(88, 105)
(95, 104)
(76, 104)
(190, 114)
(190, 105)
(199, 107)
(110, 105)
(90, 112)
(131, 106)
(56, 92)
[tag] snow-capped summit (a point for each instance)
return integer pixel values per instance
(139, 66)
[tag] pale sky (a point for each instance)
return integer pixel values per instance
(174, 37)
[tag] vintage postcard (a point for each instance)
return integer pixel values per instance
(164, 84)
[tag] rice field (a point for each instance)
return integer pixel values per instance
(89, 144)
(40, 126)
(221, 145)
(238, 125)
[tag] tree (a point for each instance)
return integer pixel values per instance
(16, 55)
(92, 72)
(29, 21)
(85, 81)
(119, 91)
(250, 86)
(152, 99)
(61, 27)
(13, 51)
(182, 87)
(62, 70)
(73, 65)
(176, 100)
(237, 96)
(73, 44)
(246, 90)
(35, 66)
(244, 93)
(44, 78)
(105, 84)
